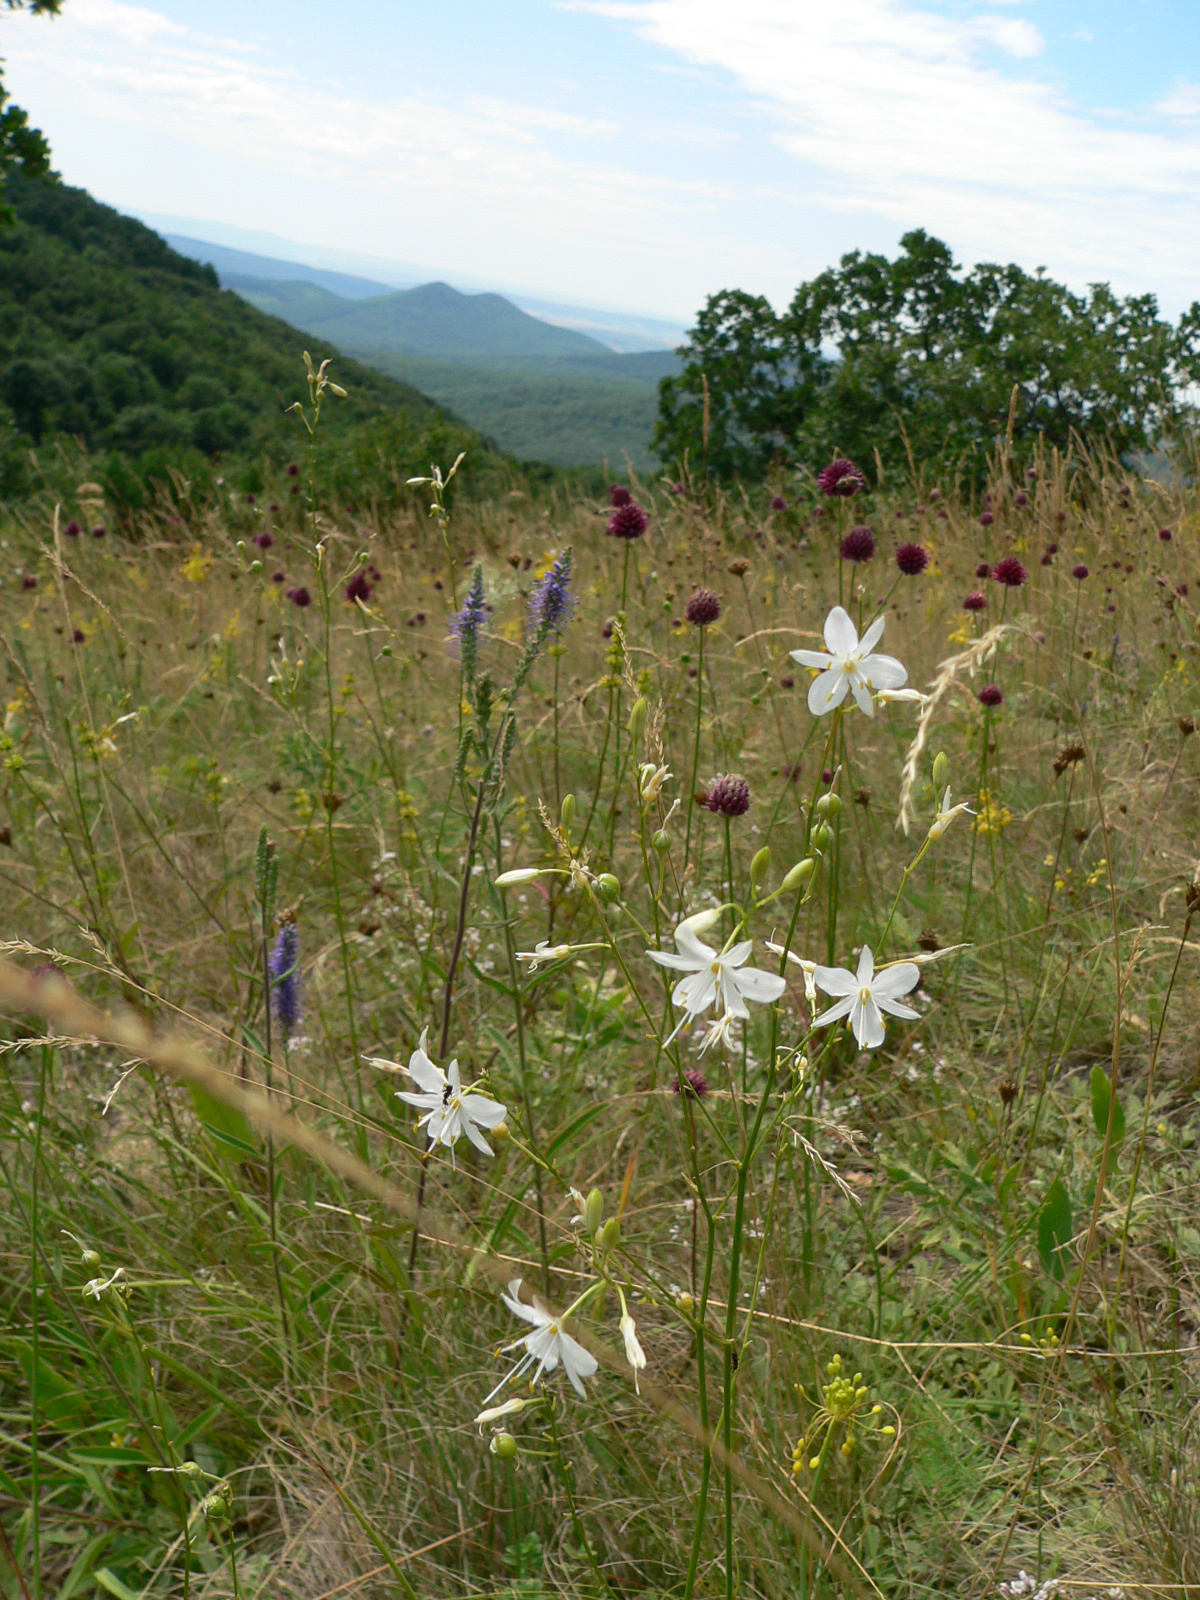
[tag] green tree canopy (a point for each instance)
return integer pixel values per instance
(915, 355)
(20, 145)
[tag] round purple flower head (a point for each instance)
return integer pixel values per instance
(1011, 572)
(283, 964)
(72, 529)
(551, 602)
(99, 531)
(728, 796)
(694, 1081)
(263, 540)
(628, 521)
(991, 695)
(358, 589)
(983, 570)
(619, 495)
(1079, 573)
(859, 544)
(986, 519)
(1165, 535)
(912, 559)
(778, 503)
(840, 477)
(300, 597)
(975, 601)
(704, 607)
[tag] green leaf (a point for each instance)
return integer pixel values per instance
(108, 1580)
(227, 1126)
(1101, 1096)
(1054, 1230)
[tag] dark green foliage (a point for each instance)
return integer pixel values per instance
(918, 361)
(110, 339)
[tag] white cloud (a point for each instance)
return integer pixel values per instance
(530, 181)
(905, 113)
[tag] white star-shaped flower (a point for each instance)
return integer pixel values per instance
(714, 979)
(946, 815)
(548, 1346)
(865, 995)
(849, 665)
(450, 1110)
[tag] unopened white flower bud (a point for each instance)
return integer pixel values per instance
(509, 880)
(593, 1212)
(637, 718)
(941, 767)
(566, 812)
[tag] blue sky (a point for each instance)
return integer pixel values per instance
(641, 153)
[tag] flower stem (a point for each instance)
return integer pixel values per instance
(687, 846)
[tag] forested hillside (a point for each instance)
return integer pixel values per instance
(111, 339)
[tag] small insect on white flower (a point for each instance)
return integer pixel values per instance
(548, 1346)
(450, 1110)
(847, 663)
(865, 995)
(714, 979)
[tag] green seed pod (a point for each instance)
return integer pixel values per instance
(637, 718)
(215, 1507)
(941, 768)
(608, 1236)
(828, 805)
(593, 1212)
(566, 812)
(256, 567)
(609, 887)
(191, 1469)
(760, 866)
(822, 836)
(799, 875)
(661, 840)
(504, 1446)
(91, 1260)
(385, 650)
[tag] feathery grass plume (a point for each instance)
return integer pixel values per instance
(949, 671)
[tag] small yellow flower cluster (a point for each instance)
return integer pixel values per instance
(844, 1405)
(197, 566)
(993, 816)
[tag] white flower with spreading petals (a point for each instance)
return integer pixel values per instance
(865, 995)
(546, 1347)
(714, 979)
(849, 665)
(450, 1110)
(946, 815)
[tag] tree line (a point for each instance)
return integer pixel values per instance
(918, 360)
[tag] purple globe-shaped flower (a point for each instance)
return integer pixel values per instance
(728, 796)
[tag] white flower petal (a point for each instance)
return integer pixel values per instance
(841, 636)
(872, 637)
(866, 965)
(866, 1024)
(761, 987)
(481, 1108)
(883, 672)
(812, 658)
(828, 691)
(835, 980)
(840, 1009)
(862, 695)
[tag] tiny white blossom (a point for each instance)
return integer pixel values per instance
(864, 995)
(946, 815)
(714, 979)
(809, 969)
(546, 1347)
(651, 780)
(634, 1353)
(506, 1408)
(98, 1286)
(450, 1110)
(543, 953)
(847, 664)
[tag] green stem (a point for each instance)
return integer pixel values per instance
(687, 846)
(35, 1324)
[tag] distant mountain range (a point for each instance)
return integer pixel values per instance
(540, 390)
